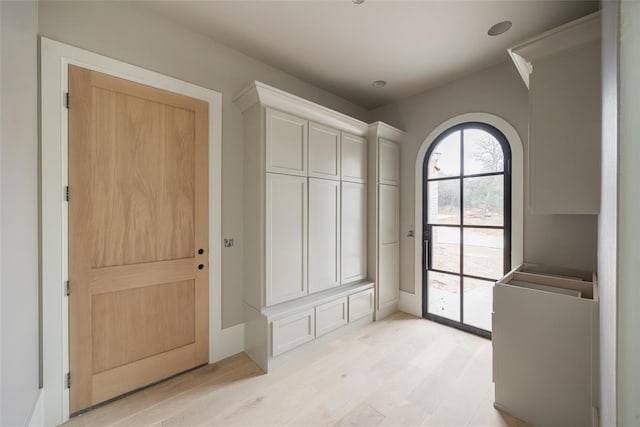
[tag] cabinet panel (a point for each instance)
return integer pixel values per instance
(389, 172)
(354, 232)
(292, 331)
(324, 152)
(360, 304)
(331, 316)
(286, 143)
(389, 275)
(389, 245)
(565, 132)
(324, 234)
(286, 238)
(389, 214)
(354, 158)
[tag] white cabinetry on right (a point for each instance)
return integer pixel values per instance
(384, 216)
(562, 71)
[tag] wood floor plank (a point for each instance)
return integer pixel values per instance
(402, 371)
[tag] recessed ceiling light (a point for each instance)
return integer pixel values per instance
(379, 83)
(357, 1)
(499, 28)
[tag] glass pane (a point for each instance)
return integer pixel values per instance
(482, 152)
(445, 157)
(444, 202)
(444, 295)
(445, 244)
(484, 252)
(478, 303)
(484, 200)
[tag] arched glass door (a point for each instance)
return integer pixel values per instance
(467, 225)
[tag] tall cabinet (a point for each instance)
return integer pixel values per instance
(561, 69)
(384, 215)
(306, 207)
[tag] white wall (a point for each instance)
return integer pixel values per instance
(126, 32)
(19, 212)
(628, 392)
(565, 240)
(607, 220)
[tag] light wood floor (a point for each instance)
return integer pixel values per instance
(402, 371)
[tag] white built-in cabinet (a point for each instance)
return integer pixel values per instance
(354, 232)
(324, 152)
(307, 187)
(324, 234)
(286, 237)
(561, 68)
(354, 158)
(384, 216)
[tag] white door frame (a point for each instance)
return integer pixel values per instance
(55, 58)
(412, 302)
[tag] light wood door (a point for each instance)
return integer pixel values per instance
(138, 235)
(353, 264)
(286, 238)
(389, 162)
(389, 246)
(354, 158)
(287, 143)
(324, 152)
(324, 234)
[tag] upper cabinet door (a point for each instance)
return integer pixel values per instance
(324, 234)
(354, 158)
(389, 162)
(324, 152)
(286, 238)
(286, 139)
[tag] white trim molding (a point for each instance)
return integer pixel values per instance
(554, 41)
(55, 58)
(269, 96)
(412, 303)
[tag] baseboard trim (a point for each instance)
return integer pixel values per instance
(36, 419)
(410, 303)
(232, 342)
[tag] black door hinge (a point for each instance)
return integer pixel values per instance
(66, 100)
(66, 193)
(67, 288)
(67, 380)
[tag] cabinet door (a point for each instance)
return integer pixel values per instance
(354, 232)
(389, 172)
(324, 234)
(360, 304)
(324, 152)
(389, 245)
(565, 132)
(286, 143)
(354, 158)
(286, 238)
(292, 331)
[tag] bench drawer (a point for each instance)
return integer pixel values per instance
(292, 331)
(360, 304)
(330, 316)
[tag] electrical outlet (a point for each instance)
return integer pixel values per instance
(228, 243)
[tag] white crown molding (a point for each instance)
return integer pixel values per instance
(269, 96)
(383, 130)
(560, 39)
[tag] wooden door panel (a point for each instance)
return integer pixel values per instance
(138, 214)
(151, 146)
(132, 324)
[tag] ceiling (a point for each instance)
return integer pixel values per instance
(343, 47)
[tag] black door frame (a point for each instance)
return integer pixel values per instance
(426, 227)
